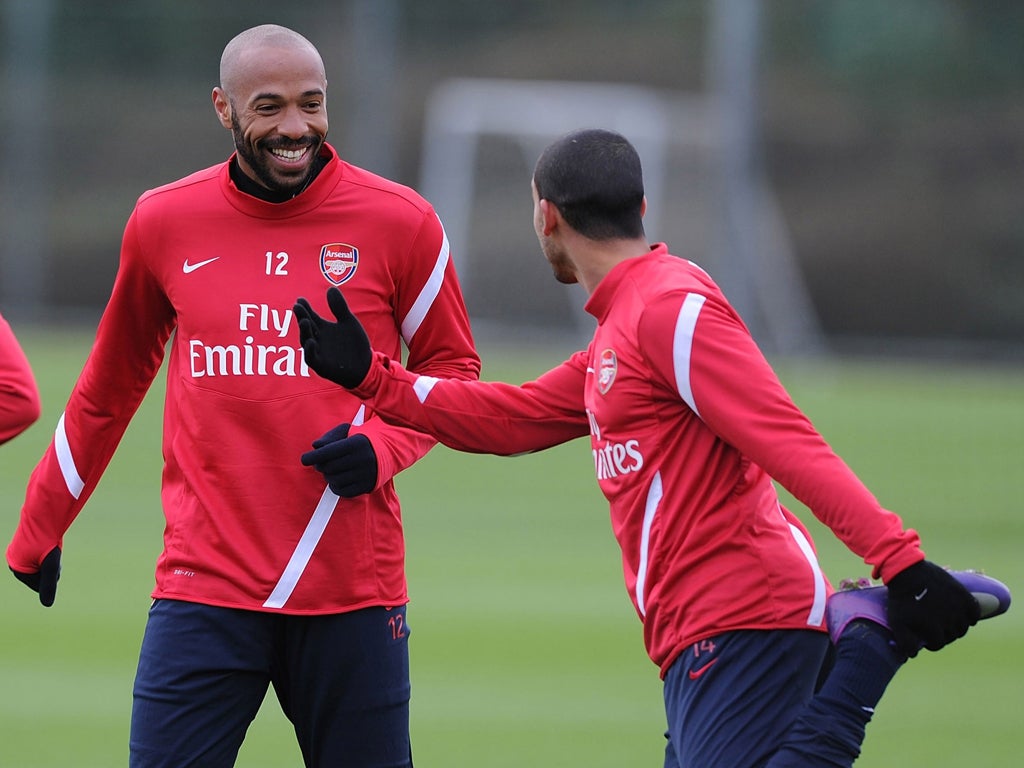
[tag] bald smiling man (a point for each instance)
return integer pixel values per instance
(272, 572)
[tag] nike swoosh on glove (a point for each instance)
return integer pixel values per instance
(929, 607)
(349, 464)
(43, 581)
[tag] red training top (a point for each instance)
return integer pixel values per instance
(215, 273)
(688, 427)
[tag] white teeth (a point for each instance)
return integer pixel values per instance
(288, 154)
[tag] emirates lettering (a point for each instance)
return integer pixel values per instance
(250, 358)
(616, 459)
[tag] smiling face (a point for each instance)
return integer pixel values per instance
(273, 99)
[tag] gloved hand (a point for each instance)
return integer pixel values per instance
(349, 464)
(43, 581)
(337, 351)
(928, 607)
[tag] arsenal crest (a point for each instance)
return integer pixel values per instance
(338, 262)
(607, 367)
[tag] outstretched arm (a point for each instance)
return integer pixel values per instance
(471, 416)
(927, 606)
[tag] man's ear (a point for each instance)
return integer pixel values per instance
(222, 105)
(550, 216)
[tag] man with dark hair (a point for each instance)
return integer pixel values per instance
(268, 575)
(689, 426)
(596, 203)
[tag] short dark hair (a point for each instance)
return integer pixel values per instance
(593, 177)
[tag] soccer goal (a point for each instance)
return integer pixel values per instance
(734, 230)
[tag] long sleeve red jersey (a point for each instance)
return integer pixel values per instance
(19, 398)
(212, 274)
(689, 426)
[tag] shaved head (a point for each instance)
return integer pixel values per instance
(233, 60)
(273, 98)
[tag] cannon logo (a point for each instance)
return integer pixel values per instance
(338, 262)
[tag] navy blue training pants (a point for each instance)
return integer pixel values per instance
(731, 699)
(341, 679)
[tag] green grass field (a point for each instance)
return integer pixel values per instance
(525, 648)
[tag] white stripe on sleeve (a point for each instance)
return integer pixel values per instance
(66, 461)
(360, 416)
(682, 346)
(423, 386)
(421, 306)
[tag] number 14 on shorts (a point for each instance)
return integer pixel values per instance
(705, 658)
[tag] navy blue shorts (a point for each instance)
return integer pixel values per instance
(731, 699)
(341, 679)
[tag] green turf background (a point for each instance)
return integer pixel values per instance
(525, 648)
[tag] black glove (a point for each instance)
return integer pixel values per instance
(928, 607)
(337, 351)
(43, 581)
(349, 464)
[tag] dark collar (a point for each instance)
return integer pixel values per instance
(250, 187)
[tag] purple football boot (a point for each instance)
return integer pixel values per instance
(859, 600)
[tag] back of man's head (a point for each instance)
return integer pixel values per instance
(594, 178)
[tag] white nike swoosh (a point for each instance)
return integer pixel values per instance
(186, 267)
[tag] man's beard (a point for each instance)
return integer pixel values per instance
(561, 267)
(275, 182)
